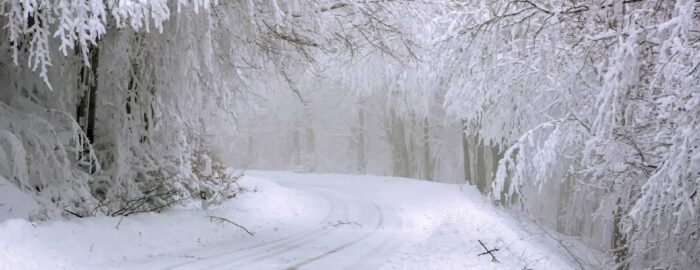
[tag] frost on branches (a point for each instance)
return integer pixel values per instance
(99, 112)
(596, 102)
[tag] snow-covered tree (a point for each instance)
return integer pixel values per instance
(593, 101)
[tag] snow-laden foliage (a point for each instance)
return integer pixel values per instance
(130, 147)
(598, 100)
(38, 156)
(99, 111)
(33, 24)
(144, 86)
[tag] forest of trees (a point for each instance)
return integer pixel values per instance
(584, 115)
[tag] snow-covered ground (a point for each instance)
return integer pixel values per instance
(299, 221)
(14, 203)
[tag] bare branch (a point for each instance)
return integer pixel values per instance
(221, 220)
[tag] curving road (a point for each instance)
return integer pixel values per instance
(356, 231)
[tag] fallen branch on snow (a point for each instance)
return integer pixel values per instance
(489, 252)
(190, 257)
(221, 220)
(341, 223)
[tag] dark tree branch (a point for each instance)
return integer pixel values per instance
(489, 252)
(221, 220)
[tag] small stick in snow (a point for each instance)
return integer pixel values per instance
(341, 223)
(489, 252)
(119, 223)
(220, 219)
(191, 257)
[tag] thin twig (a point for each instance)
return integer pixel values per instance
(120, 222)
(73, 213)
(190, 257)
(220, 219)
(580, 264)
(341, 223)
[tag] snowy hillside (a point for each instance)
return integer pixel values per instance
(298, 221)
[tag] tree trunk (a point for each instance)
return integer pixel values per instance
(480, 166)
(496, 156)
(361, 165)
(619, 240)
(85, 111)
(428, 164)
(399, 149)
(310, 153)
(296, 147)
(467, 161)
(92, 94)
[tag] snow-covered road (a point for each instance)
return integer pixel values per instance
(301, 221)
(354, 231)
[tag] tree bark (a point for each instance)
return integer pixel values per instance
(92, 94)
(480, 165)
(619, 240)
(87, 105)
(467, 161)
(428, 164)
(361, 165)
(399, 149)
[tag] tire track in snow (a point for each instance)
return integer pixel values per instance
(280, 242)
(292, 245)
(281, 249)
(380, 223)
(267, 255)
(389, 243)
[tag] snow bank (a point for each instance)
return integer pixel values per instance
(14, 203)
(22, 248)
(451, 222)
(454, 244)
(102, 241)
